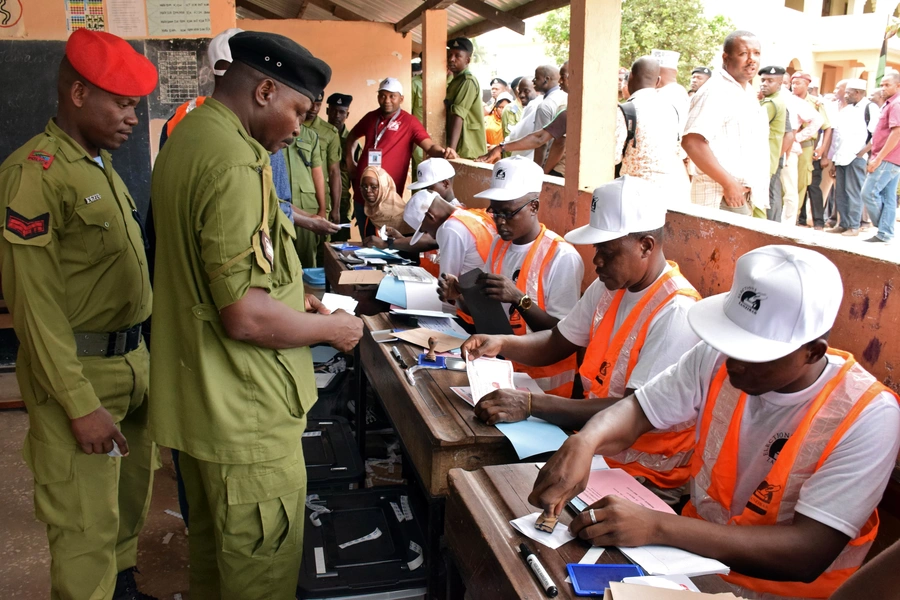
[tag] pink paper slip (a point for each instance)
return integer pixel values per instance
(616, 482)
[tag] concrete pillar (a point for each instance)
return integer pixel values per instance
(812, 8)
(593, 82)
(434, 72)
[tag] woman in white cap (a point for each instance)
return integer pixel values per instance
(795, 441)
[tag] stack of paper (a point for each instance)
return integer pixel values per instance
(666, 560)
(334, 302)
(409, 295)
(625, 591)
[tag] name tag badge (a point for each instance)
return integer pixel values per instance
(374, 158)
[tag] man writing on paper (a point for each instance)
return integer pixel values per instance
(795, 441)
(633, 322)
(531, 270)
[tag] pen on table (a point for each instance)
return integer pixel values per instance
(539, 571)
(396, 354)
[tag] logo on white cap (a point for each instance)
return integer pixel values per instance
(500, 175)
(391, 84)
(514, 178)
(431, 171)
(782, 298)
(622, 206)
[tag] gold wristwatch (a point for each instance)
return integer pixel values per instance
(524, 303)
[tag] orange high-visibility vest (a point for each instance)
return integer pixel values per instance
(663, 457)
(182, 111)
(480, 224)
(558, 378)
(715, 463)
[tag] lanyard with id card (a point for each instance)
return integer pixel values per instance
(375, 154)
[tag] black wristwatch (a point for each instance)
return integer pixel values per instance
(390, 242)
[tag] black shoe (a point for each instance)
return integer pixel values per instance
(875, 240)
(126, 587)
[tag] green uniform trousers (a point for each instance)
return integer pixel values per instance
(804, 174)
(246, 527)
(307, 242)
(346, 217)
(94, 505)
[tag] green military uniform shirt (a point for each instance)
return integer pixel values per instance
(776, 112)
(302, 157)
(329, 148)
(218, 399)
(418, 106)
(72, 259)
(464, 100)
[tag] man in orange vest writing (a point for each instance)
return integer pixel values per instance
(533, 271)
(633, 322)
(795, 441)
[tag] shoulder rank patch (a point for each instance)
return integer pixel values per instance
(27, 228)
(42, 157)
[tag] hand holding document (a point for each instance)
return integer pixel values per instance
(334, 302)
(487, 375)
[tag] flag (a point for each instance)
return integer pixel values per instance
(893, 25)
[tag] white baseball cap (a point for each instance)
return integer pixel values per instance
(857, 84)
(782, 297)
(513, 178)
(220, 50)
(432, 171)
(415, 210)
(668, 59)
(622, 206)
(391, 84)
(504, 96)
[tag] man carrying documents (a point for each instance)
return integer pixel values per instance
(795, 441)
(633, 322)
(531, 270)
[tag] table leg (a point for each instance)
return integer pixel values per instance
(361, 403)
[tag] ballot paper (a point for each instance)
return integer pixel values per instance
(666, 560)
(627, 591)
(525, 526)
(487, 375)
(522, 381)
(616, 482)
(422, 296)
(334, 302)
(412, 274)
(434, 314)
(668, 582)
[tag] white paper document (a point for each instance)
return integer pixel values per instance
(422, 296)
(665, 560)
(666, 582)
(334, 302)
(525, 526)
(522, 381)
(487, 375)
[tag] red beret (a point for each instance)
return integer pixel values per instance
(801, 75)
(110, 63)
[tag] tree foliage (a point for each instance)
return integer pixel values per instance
(678, 25)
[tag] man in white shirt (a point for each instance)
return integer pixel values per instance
(638, 295)
(653, 154)
(550, 285)
(464, 237)
(795, 442)
(851, 150)
(547, 82)
(530, 101)
(668, 85)
(726, 134)
(800, 113)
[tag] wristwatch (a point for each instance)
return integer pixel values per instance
(502, 146)
(524, 303)
(390, 242)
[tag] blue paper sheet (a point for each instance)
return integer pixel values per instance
(392, 291)
(533, 436)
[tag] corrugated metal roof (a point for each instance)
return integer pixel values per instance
(389, 11)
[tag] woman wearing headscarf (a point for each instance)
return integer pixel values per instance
(383, 205)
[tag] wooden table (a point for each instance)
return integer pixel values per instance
(437, 428)
(364, 294)
(485, 546)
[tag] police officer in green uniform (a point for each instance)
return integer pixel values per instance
(338, 109)
(776, 112)
(465, 115)
(232, 371)
(304, 162)
(417, 106)
(330, 149)
(76, 283)
(806, 162)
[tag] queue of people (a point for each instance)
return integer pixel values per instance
(783, 444)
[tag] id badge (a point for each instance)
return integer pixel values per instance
(374, 158)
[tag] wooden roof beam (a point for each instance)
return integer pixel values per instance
(532, 9)
(344, 14)
(414, 18)
(497, 17)
(262, 12)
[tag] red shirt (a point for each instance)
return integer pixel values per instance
(890, 118)
(397, 144)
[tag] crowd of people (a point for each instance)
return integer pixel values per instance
(784, 445)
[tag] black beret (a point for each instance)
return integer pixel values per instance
(343, 100)
(772, 71)
(461, 43)
(417, 67)
(703, 70)
(498, 80)
(283, 59)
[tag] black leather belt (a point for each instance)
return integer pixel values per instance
(108, 344)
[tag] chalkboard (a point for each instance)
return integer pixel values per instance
(28, 70)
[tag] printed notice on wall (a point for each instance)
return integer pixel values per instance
(178, 76)
(126, 18)
(176, 17)
(85, 14)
